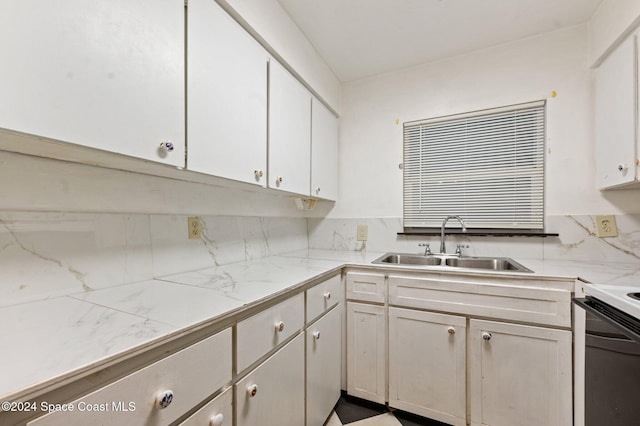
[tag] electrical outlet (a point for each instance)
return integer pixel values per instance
(606, 226)
(194, 228)
(363, 230)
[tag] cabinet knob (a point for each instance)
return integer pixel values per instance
(164, 398)
(622, 168)
(278, 180)
(252, 390)
(279, 326)
(217, 420)
(316, 335)
(166, 146)
(317, 190)
(258, 174)
(327, 295)
(486, 336)
(451, 330)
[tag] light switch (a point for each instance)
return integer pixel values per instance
(363, 230)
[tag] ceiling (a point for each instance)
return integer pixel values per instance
(361, 38)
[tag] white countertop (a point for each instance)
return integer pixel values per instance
(66, 337)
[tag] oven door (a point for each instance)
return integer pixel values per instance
(612, 365)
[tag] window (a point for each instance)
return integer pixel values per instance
(487, 167)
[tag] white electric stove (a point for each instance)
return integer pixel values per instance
(624, 298)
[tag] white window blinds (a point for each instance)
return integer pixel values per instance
(487, 167)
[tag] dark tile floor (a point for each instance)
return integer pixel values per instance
(355, 411)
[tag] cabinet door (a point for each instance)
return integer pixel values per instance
(366, 342)
(289, 132)
(616, 112)
(519, 375)
(107, 74)
(324, 152)
(427, 364)
(227, 96)
(279, 389)
(324, 356)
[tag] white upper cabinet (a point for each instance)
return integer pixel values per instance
(227, 96)
(107, 74)
(324, 152)
(289, 132)
(616, 117)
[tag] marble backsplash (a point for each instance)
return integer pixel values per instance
(577, 239)
(45, 255)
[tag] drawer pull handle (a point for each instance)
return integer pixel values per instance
(486, 336)
(252, 390)
(280, 326)
(316, 335)
(164, 399)
(451, 330)
(217, 420)
(327, 295)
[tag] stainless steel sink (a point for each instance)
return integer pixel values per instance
(496, 264)
(445, 261)
(409, 259)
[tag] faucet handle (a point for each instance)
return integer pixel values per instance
(459, 248)
(427, 249)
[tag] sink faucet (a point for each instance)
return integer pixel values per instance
(444, 222)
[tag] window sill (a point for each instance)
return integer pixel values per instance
(480, 232)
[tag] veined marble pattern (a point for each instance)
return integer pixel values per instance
(170, 303)
(224, 240)
(46, 339)
(54, 254)
(50, 254)
(257, 279)
(577, 240)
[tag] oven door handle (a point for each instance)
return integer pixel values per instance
(631, 334)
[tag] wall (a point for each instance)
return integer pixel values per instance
(375, 108)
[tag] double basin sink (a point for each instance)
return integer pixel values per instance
(487, 263)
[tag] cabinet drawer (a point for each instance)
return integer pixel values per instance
(264, 331)
(192, 374)
(365, 287)
(220, 409)
(279, 389)
(323, 296)
(530, 304)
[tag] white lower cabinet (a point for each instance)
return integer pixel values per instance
(366, 354)
(324, 356)
(519, 375)
(218, 412)
(273, 393)
(454, 368)
(427, 364)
